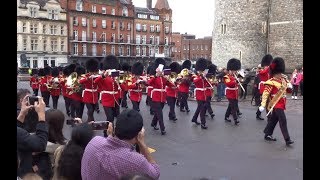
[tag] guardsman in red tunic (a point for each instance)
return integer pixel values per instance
(90, 94)
(75, 92)
(124, 85)
(275, 90)
(135, 85)
(55, 87)
(172, 92)
(184, 85)
(109, 94)
(209, 89)
(44, 84)
(34, 82)
(200, 92)
(149, 89)
(65, 92)
(158, 94)
(263, 76)
(231, 90)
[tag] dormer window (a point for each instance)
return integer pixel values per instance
(79, 5)
(33, 12)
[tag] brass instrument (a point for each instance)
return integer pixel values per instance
(235, 76)
(282, 91)
(173, 77)
(73, 83)
(184, 72)
(123, 77)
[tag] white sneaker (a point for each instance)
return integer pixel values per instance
(295, 97)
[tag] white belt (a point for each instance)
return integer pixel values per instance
(34, 83)
(260, 84)
(284, 96)
(89, 90)
(135, 90)
(107, 92)
(159, 90)
(225, 90)
(148, 88)
(199, 89)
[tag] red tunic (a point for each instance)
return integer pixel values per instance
(149, 88)
(264, 76)
(231, 90)
(158, 94)
(135, 90)
(90, 93)
(55, 91)
(34, 82)
(184, 86)
(43, 83)
(109, 94)
(200, 90)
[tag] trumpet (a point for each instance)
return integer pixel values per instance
(123, 77)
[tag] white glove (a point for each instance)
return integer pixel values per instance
(289, 85)
(261, 108)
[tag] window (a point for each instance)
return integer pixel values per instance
(138, 27)
(24, 27)
(45, 45)
(223, 28)
(156, 50)
(24, 44)
(128, 50)
(35, 62)
(167, 17)
(53, 14)
(166, 52)
(94, 50)
(33, 12)
(62, 30)
(154, 17)
(121, 24)
(54, 44)
(144, 50)
(103, 37)
(128, 26)
(75, 49)
(84, 21)
(193, 46)
(104, 23)
(121, 38)
(53, 62)
(166, 40)
(157, 28)
(113, 12)
(206, 47)
(84, 36)
(137, 39)
(94, 36)
(84, 49)
(151, 39)
(62, 46)
(53, 29)
(113, 37)
(94, 23)
(75, 21)
(184, 47)
(112, 50)
(137, 50)
(144, 39)
(79, 5)
(34, 44)
(113, 24)
(75, 35)
(157, 40)
(151, 51)
(142, 16)
(104, 50)
(167, 29)
(104, 10)
(121, 50)
(144, 27)
(124, 11)
(94, 8)
(34, 28)
(45, 61)
(128, 38)
(201, 47)
(151, 28)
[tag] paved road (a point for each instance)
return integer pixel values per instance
(223, 151)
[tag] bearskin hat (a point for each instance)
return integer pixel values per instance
(92, 65)
(65, 71)
(266, 60)
(47, 70)
(186, 64)
(277, 66)
(234, 64)
(175, 67)
(209, 62)
(34, 71)
(201, 64)
(137, 68)
(159, 61)
(55, 72)
(80, 70)
(125, 67)
(110, 62)
(212, 69)
(41, 72)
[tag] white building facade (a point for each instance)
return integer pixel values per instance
(41, 33)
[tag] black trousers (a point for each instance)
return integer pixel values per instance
(301, 87)
(76, 109)
(257, 97)
(46, 97)
(90, 111)
(149, 100)
(243, 94)
(55, 101)
(232, 109)
(111, 112)
(97, 106)
(158, 114)
(124, 99)
(35, 92)
(295, 90)
(201, 109)
(135, 105)
(184, 101)
(208, 105)
(172, 103)
(178, 98)
(277, 115)
(67, 102)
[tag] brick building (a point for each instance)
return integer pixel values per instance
(41, 33)
(188, 47)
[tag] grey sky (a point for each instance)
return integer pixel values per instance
(193, 17)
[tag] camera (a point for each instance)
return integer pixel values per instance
(70, 121)
(167, 72)
(32, 99)
(101, 125)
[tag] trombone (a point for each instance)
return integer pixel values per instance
(235, 76)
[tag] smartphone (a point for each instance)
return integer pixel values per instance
(167, 72)
(115, 74)
(32, 99)
(70, 121)
(100, 125)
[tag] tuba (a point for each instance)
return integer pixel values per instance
(73, 83)
(173, 77)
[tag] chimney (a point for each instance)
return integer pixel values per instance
(149, 4)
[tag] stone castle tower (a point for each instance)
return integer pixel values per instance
(249, 29)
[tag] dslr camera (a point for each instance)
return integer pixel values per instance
(100, 125)
(32, 99)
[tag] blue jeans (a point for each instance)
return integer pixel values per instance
(220, 88)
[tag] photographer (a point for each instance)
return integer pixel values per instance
(27, 143)
(112, 157)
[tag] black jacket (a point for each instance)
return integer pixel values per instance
(28, 143)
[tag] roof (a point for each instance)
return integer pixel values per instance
(145, 10)
(162, 4)
(124, 2)
(40, 2)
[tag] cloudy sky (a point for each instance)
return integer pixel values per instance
(193, 17)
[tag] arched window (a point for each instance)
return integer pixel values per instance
(124, 11)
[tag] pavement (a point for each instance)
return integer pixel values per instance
(223, 151)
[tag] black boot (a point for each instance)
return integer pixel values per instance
(269, 138)
(236, 121)
(289, 142)
(227, 119)
(163, 132)
(195, 121)
(258, 117)
(203, 126)
(154, 127)
(212, 115)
